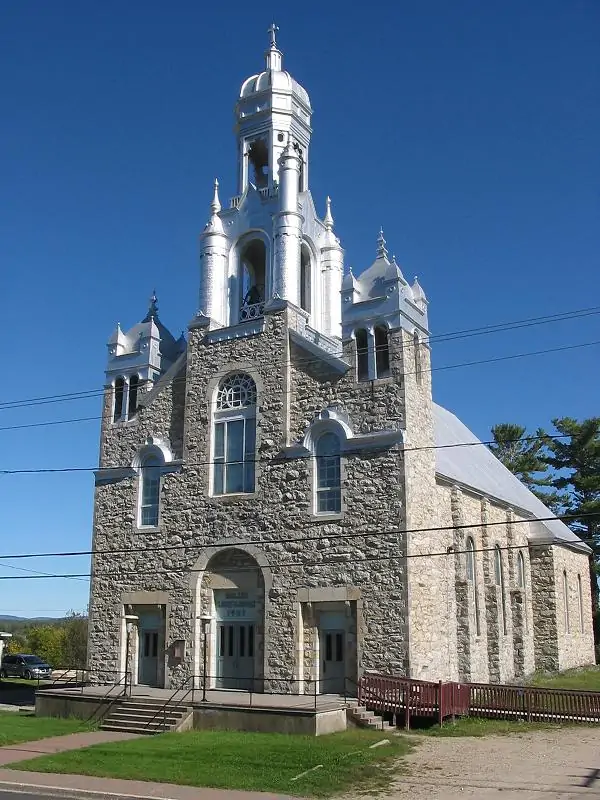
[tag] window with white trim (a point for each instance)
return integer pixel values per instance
(149, 492)
(362, 354)
(499, 577)
(382, 352)
(580, 603)
(472, 580)
(119, 394)
(328, 470)
(234, 436)
(522, 586)
(566, 601)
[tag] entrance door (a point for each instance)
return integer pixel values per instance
(235, 655)
(333, 661)
(148, 658)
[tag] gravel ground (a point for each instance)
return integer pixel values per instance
(542, 765)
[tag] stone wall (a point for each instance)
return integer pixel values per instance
(574, 618)
(363, 548)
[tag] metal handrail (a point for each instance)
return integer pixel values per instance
(116, 697)
(170, 699)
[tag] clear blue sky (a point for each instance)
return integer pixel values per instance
(469, 130)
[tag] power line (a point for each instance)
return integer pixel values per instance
(296, 540)
(284, 392)
(278, 461)
(449, 552)
(449, 336)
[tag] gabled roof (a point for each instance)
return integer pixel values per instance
(478, 468)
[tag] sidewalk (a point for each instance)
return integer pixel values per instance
(58, 744)
(81, 786)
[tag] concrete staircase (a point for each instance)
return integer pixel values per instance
(368, 719)
(138, 716)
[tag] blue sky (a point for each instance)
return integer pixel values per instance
(469, 130)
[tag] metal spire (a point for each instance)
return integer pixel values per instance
(152, 308)
(381, 248)
(273, 54)
(328, 219)
(272, 31)
(215, 205)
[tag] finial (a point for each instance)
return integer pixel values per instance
(272, 31)
(328, 220)
(215, 206)
(381, 249)
(153, 308)
(273, 54)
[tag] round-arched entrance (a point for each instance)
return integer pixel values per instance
(231, 600)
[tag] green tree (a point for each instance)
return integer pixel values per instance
(47, 642)
(75, 631)
(575, 460)
(523, 455)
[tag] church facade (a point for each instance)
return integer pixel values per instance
(280, 504)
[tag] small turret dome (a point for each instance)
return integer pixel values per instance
(274, 80)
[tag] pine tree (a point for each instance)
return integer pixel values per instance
(523, 455)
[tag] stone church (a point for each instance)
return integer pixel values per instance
(280, 504)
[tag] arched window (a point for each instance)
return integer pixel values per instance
(499, 578)
(328, 475)
(470, 560)
(472, 579)
(234, 439)
(580, 603)
(134, 383)
(362, 354)
(305, 278)
(382, 352)
(522, 586)
(566, 601)
(253, 263)
(119, 392)
(520, 571)
(150, 476)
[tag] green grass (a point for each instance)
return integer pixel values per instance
(585, 679)
(474, 726)
(236, 760)
(16, 728)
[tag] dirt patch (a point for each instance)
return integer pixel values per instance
(542, 765)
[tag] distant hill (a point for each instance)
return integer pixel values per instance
(11, 618)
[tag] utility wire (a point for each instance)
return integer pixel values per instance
(339, 561)
(450, 336)
(430, 369)
(296, 540)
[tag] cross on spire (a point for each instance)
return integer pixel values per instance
(272, 31)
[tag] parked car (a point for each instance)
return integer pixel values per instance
(24, 666)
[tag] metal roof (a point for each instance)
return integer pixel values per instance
(478, 468)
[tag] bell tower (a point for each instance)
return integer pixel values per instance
(269, 247)
(273, 111)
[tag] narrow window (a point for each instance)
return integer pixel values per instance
(362, 354)
(305, 276)
(521, 585)
(133, 395)
(234, 451)
(119, 392)
(580, 599)
(472, 579)
(258, 156)
(499, 576)
(150, 491)
(566, 601)
(382, 352)
(252, 277)
(328, 471)
(417, 357)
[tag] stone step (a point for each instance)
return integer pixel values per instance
(133, 728)
(149, 712)
(124, 716)
(135, 704)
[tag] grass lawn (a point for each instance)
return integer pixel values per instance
(236, 760)
(474, 726)
(585, 679)
(16, 728)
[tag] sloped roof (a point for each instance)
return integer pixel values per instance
(477, 467)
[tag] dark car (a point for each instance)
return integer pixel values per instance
(24, 666)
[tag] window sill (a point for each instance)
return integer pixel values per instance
(233, 498)
(148, 529)
(328, 517)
